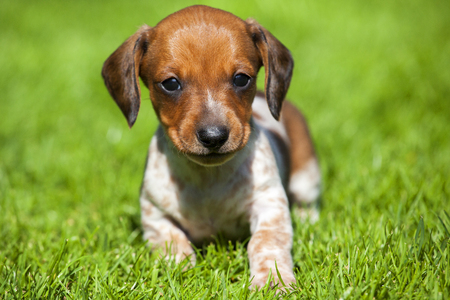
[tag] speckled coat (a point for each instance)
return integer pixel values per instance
(257, 155)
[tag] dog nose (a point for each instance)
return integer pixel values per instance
(213, 137)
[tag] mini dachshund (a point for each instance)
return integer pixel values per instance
(226, 160)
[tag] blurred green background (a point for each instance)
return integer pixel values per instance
(372, 78)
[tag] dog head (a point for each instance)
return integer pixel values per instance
(200, 66)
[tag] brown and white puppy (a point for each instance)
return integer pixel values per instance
(220, 162)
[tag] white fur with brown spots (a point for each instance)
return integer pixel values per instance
(220, 162)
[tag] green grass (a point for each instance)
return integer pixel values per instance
(373, 79)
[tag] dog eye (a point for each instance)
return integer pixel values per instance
(241, 80)
(171, 84)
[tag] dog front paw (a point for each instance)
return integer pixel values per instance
(191, 257)
(261, 279)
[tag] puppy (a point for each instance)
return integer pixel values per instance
(224, 160)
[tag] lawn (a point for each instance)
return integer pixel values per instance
(373, 80)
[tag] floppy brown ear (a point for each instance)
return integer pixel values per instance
(121, 73)
(278, 65)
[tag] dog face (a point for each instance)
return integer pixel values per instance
(200, 66)
(202, 84)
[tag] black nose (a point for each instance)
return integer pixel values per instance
(213, 137)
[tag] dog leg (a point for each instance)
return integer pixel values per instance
(304, 181)
(270, 246)
(162, 233)
(304, 190)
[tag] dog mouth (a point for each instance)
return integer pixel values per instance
(212, 159)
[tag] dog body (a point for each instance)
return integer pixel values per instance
(219, 163)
